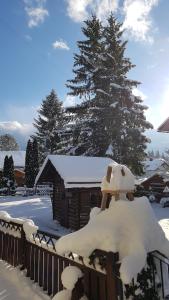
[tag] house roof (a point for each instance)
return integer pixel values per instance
(18, 158)
(154, 164)
(78, 171)
(164, 127)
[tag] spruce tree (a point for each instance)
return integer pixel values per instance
(112, 120)
(35, 158)
(29, 164)
(48, 125)
(11, 175)
(6, 168)
(87, 70)
(8, 174)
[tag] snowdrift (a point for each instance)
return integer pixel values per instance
(129, 228)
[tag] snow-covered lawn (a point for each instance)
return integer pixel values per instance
(162, 214)
(39, 209)
(15, 286)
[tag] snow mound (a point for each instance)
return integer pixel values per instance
(121, 179)
(63, 295)
(94, 212)
(129, 228)
(70, 276)
(5, 216)
(29, 228)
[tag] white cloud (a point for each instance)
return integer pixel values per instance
(36, 12)
(137, 20)
(15, 126)
(78, 10)
(60, 45)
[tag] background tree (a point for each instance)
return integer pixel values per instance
(8, 174)
(6, 167)
(35, 158)
(48, 125)
(110, 121)
(8, 143)
(29, 180)
(31, 163)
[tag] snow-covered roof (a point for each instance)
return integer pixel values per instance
(18, 158)
(155, 164)
(78, 171)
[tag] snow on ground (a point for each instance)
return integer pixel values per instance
(37, 208)
(12, 289)
(162, 215)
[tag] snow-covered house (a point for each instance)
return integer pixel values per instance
(76, 186)
(19, 164)
(155, 166)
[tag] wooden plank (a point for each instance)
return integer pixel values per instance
(32, 259)
(102, 288)
(49, 274)
(45, 270)
(55, 276)
(28, 259)
(93, 286)
(36, 263)
(59, 273)
(87, 282)
(40, 275)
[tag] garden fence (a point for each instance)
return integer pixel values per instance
(44, 266)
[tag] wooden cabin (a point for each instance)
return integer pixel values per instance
(164, 127)
(153, 181)
(76, 184)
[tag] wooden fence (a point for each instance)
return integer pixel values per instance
(44, 266)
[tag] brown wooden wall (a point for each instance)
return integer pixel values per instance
(80, 201)
(71, 207)
(152, 180)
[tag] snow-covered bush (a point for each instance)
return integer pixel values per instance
(69, 278)
(29, 228)
(129, 228)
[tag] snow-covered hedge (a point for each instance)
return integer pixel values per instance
(69, 278)
(129, 228)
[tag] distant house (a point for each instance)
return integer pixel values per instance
(76, 186)
(154, 166)
(164, 127)
(19, 164)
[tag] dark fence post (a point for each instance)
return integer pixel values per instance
(78, 291)
(22, 250)
(112, 280)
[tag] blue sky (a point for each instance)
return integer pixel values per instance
(38, 39)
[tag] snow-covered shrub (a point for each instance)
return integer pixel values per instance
(94, 212)
(63, 295)
(5, 216)
(69, 278)
(129, 228)
(29, 228)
